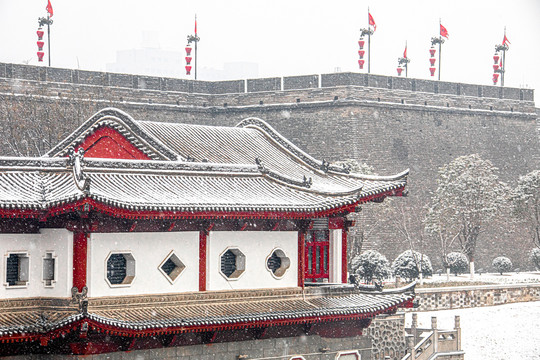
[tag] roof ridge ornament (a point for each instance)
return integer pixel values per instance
(76, 160)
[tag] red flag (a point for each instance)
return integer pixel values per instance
(405, 52)
(49, 8)
(444, 32)
(505, 40)
(372, 21)
(195, 26)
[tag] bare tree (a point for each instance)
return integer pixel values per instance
(469, 194)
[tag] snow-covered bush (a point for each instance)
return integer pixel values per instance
(457, 263)
(371, 264)
(408, 263)
(535, 258)
(502, 264)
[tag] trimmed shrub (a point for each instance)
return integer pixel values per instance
(457, 262)
(371, 264)
(409, 262)
(502, 264)
(535, 258)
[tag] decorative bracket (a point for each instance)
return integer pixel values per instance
(76, 160)
(80, 297)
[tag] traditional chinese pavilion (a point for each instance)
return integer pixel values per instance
(139, 234)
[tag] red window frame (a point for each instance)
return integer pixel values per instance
(317, 255)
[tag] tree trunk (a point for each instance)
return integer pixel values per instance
(471, 267)
(447, 274)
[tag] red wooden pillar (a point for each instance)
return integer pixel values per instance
(301, 257)
(344, 267)
(80, 253)
(202, 259)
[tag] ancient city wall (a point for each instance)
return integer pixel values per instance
(391, 123)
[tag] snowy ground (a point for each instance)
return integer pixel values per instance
(508, 332)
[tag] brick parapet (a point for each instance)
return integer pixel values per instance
(475, 296)
(286, 89)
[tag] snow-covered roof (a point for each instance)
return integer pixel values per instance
(192, 168)
(151, 315)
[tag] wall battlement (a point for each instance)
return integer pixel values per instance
(84, 77)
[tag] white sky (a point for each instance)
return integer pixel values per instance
(286, 37)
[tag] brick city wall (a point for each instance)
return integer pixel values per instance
(391, 123)
(475, 296)
(268, 349)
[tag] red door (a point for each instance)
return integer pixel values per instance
(317, 254)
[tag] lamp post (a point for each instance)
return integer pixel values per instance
(364, 32)
(44, 21)
(501, 66)
(403, 63)
(436, 40)
(192, 39)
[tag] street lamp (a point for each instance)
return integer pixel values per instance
(44, 21)
(403, 63)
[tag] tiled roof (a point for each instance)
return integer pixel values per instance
(194, 168)
(41, 184)
(217, 310)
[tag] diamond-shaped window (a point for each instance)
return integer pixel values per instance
(172, 267)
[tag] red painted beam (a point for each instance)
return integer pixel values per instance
(202, 259)
(301, 257)
(344, 257)
(80, 252)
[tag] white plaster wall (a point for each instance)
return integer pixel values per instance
(149, 251)
(336, 250)
(58, 241)
(256, 246)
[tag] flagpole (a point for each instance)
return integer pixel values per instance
(440, 42)
(368, 46)
(504, 60)
(406, 63)
(196, 47)
(49, 38)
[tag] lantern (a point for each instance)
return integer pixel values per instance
(188, 70)
(361, 63)
(361, 43)
(40, 45)
(432, 71)
(188, 60)
(361, 53)
(40, 33)
(399, 70)
(432, 52)
(495, 67)
(432, 61)
(40, 55)
(188, 50)
(495, 76)
(496, 58)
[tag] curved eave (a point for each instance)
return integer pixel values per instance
(116, 327)
(128, 211)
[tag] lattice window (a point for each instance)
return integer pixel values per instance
(49, 272)
(232, 263)
(277, 263)
(120, 269)
(17, 269)
(172, 267)
(317, 255)
(348, 355)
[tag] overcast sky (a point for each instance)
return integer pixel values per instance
(286, 37)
